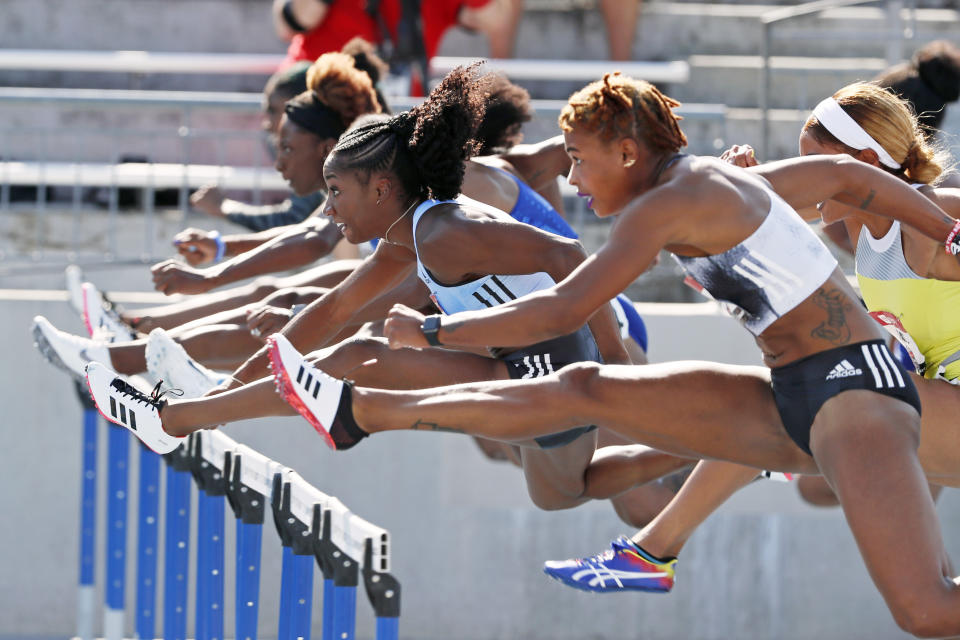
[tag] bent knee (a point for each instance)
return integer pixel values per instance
(554, 498)
(918, 616)
(580, 377)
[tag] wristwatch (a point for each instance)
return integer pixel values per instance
(429, 328)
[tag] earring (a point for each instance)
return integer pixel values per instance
(630, 162)
(378, 202)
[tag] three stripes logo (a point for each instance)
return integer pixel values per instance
(537, 365)
(125, 417)
(491, 296)
(844, 370)
(886, 372)
(767, 274)
(306, 382)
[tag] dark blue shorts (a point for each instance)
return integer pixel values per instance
(547, 357)
(803, 386)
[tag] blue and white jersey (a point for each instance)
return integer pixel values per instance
(773, 270)
(482, 293)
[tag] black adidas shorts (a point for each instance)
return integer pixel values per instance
(802, 387)
(547, 357)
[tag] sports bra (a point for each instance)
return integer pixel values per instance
(926, 308)
(482, 293)
(769, 273)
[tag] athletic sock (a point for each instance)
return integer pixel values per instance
(650, 556)
(345, 431)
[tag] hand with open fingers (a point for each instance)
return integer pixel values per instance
(402, 328)
(171, 276)
(208, 199)
(266, 320)
(741, 155)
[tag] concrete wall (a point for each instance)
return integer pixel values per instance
(468, 544)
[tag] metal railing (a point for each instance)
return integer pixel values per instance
(49, 174)
(894, 34)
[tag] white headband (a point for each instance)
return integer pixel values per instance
(846, 130)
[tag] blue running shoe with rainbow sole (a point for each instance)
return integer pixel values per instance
(623, 567)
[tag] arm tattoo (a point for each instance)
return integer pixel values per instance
(835, 328)
(421, 425)
(866, 202)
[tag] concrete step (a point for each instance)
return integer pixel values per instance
(670, 30)
(796, 82)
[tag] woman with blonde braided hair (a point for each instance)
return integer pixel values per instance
(829, 400)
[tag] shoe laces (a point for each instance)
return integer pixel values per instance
(155, 399)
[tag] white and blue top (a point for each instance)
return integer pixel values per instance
(482, 293)
(772, 271)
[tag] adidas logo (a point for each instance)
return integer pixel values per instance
(130, 422)
(844, 370)
(306, 383)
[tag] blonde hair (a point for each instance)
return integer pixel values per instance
(890, 121)
(618, 106)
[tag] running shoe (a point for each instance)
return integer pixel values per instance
(623, 567)
(74, 279)
(127, 406)
(101, 317)
(66, 351)
(323, 400)
(167, 360)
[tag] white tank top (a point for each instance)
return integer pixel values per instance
(487, 291)
(773, 270)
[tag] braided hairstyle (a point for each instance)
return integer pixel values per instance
(426, 147)
(508, 107)
(618, 106)
(890, 121)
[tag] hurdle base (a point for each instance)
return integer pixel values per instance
(113, 624)
(86, 606)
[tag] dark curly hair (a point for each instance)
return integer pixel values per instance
(426, 147)
(508, 107)
(929, 82)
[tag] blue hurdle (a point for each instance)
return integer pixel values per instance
(312, 527)
(86, 590)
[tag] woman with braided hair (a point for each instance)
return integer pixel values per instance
(398, 179)
(830, 400)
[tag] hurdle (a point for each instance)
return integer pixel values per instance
(311, 526)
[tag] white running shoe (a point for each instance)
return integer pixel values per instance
(323, 400)
(101, 318)
(74, 279)
(66, 351)
(127, 406)
(170, 362)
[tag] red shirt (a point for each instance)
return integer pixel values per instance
(348, 18)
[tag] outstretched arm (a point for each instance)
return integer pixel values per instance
(807, 181)
(298, 246)
(635, 240)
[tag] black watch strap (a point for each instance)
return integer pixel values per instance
(430, 328)
(290, 19)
